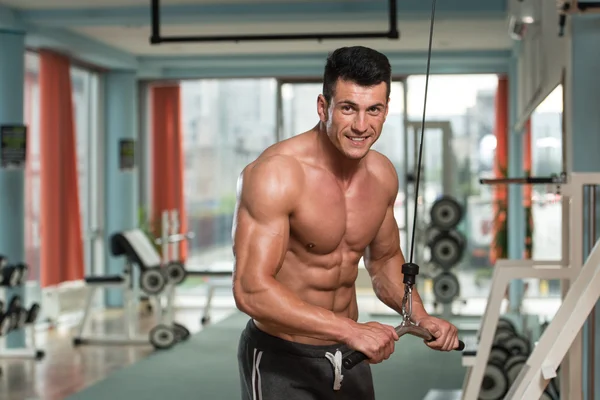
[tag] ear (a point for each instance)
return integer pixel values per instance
(322, 108)
(387, 108)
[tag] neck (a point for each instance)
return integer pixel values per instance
(332, 159)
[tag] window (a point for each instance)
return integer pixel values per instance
(466, 103)
(85, 111)
(32, 171)
(299, 107)
(84, 89)
(546, 207)
(227, 124)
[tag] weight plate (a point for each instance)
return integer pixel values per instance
(446, 250)
(517, 345)
(499, 354)
(502, 335)
(162, 337)
(446, 287)
(460, 237)
(506, 323)
(513, 372)
(495, 383)
(516, 359)
(176, 272)
(181, 332)
(430, 233)
(445, 213)
(152, 281)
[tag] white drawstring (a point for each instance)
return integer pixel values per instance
(336, 361)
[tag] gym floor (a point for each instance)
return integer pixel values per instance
(66, 370)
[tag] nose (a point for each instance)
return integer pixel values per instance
(360, 124)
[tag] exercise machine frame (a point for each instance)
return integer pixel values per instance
(131, 336)
(157, 38)
(169, 240)
(561, 342)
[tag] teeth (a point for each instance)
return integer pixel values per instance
(357, 139)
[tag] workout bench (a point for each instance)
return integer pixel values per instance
(154, 280)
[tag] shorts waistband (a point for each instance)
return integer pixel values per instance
(264, 340)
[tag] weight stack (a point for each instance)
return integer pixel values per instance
(447, 246)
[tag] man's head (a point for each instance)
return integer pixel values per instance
(354, 103)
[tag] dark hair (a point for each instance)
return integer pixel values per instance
(362, 65)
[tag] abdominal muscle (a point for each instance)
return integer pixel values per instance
(326, 281)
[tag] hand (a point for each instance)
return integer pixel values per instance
(374, 340)
(445, 334)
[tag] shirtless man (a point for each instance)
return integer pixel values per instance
(308, 209)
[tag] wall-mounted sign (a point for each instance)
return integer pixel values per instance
(126, 154)
(13, 146)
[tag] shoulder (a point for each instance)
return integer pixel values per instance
(384, 171)
(272, 180)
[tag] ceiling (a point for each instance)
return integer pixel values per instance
(121, 28)
(449, 35)
(46, 4)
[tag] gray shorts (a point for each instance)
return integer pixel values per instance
(275, 369)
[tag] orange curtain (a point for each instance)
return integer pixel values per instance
(499, 245)
(167, 159)
(527, 191)
(61, 255)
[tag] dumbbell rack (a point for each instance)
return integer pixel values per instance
(19, 322)
(446, 245)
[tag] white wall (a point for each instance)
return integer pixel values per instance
(541, 54)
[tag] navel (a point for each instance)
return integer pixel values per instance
(310, 246)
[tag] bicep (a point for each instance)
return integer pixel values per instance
(260, 243)
(261, 226)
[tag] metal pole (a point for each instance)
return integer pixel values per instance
(592, 317)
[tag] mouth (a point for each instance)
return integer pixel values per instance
(357, 141)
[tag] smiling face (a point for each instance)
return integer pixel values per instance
(355, 116)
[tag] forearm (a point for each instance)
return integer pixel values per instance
(272, 303)
(389, 287)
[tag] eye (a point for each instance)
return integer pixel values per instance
(374, 110)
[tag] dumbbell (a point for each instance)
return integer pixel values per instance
(23, 270)
(10, 275)
(16, 313)
(31, 315)
(5, 322)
